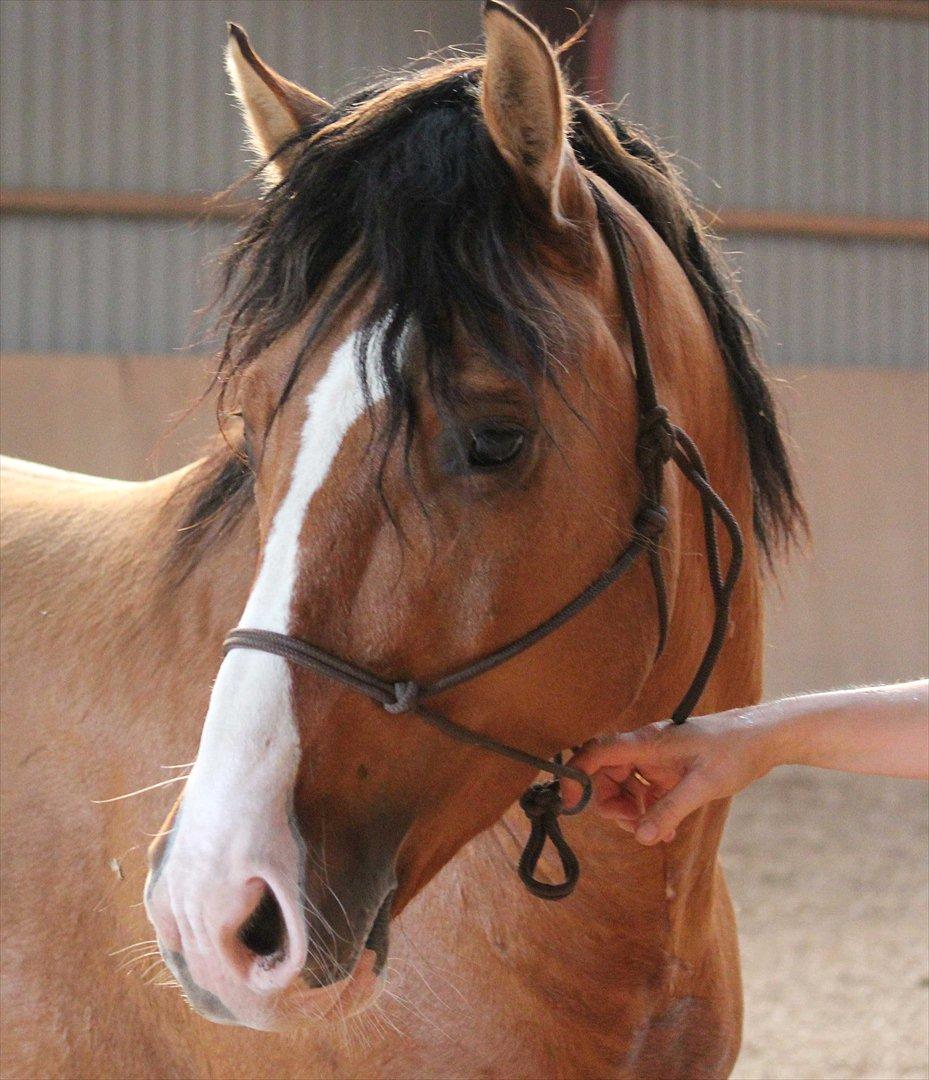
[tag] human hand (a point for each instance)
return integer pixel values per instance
(650, 779)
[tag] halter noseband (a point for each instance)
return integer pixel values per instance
(658, 442)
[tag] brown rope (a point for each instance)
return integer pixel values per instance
(658, 442)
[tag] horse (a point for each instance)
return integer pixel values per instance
(430, 419)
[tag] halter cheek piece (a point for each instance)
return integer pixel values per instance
(658, 442)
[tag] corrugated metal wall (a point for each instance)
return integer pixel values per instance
(105, 286)
(802, 111)
(784, 109)
(131, 95)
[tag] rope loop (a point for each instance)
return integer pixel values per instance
(406, 695)
(541, 803)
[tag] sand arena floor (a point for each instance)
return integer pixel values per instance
(830, 879)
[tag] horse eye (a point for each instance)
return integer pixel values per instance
(493, 445)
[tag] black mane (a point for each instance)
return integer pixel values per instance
(401, 190)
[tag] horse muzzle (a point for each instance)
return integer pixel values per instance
(266, 949)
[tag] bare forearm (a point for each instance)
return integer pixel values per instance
(882, 730)
(651, 778)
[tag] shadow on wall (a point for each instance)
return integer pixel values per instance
(855, 610)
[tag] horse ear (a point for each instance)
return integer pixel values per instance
(275, 108)
(523, 100)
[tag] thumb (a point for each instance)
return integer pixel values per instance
(663, 818)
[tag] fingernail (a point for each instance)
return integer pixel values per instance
(647, 832)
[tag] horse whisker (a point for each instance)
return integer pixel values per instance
(134, 945)
(140, 791)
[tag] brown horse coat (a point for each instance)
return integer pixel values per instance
(108, 672)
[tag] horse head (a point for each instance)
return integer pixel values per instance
(440, 424)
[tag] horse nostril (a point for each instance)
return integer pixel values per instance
(264, 932)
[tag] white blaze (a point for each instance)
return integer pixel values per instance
(237, 799)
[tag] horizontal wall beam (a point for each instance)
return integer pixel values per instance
(47, 202)
(728, 222)
(913, 10)
(733, 222)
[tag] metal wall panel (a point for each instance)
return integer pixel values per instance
(105, 286)
(803, 111)
(132, 95)
(850, 304)
(786, 109)
(782, 109)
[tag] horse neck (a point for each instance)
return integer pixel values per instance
(182, 617)
(152, 643)
(654, 914)
(695, 386)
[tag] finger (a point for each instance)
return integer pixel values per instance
(668, 812)
(616, 752)
(618, 813)
(635, 793)
(617, 800)
(603, 781)
(613, 800)
(605, 788)
(571, 792)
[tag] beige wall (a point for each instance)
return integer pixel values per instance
(855, 610)
(115, 416)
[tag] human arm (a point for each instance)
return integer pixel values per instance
(882, 730)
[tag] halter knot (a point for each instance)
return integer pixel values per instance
(405, 696)
(651, 521)
(540, 800)
(656, 438)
